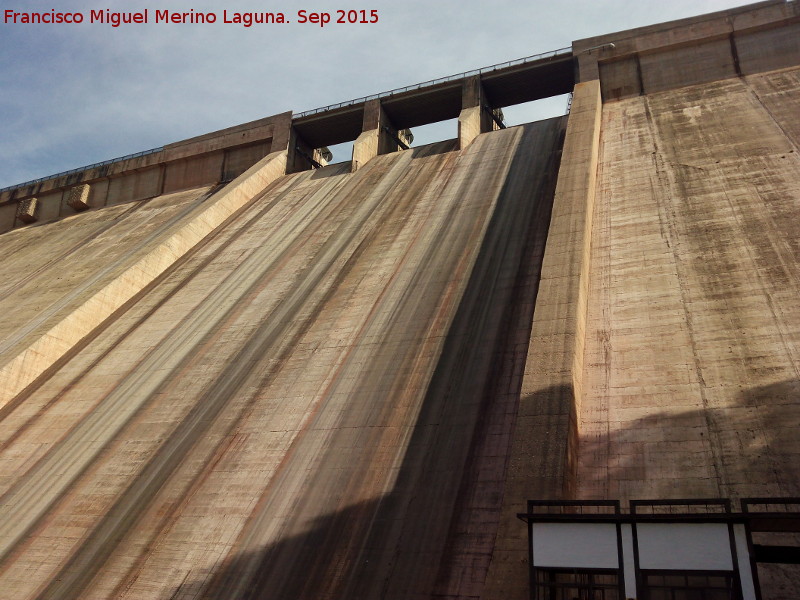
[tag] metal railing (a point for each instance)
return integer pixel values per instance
(432, 82)
(79, 169)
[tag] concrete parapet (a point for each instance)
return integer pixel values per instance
(245, 134)
(544, 448)
(721, 45)
(202, 160)
(24, 364)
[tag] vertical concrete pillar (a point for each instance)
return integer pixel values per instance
(299, 154)
(282, 131)
(544, 448)
(588, 68)
(474, 118)
(378, 135)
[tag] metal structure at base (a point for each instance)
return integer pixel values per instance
(660, 549)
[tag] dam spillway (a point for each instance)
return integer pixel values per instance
(336, 340)
(229, 370)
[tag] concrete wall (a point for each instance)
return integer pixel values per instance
(337, 348)
(542, 458)
(51, 307)
(741, 41)
(198, 389)
(621, 78)
(194, 171)
(693, 333)
(769, 49)
(678, 67)
(238, 160)
(200, 161)
(134, 186)
(8, 213)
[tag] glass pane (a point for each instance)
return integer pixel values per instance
(557, 584)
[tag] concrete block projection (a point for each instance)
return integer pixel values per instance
(230, 370)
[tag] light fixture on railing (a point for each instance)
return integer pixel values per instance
(600, 47)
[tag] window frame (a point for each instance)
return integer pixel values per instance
(734, 593)
(545, 590)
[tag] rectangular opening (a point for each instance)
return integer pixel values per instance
(536, 110)
(688, 585)
(576, 584)
(341, 152)
(434, 132)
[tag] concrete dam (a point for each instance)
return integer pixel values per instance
(230, 370)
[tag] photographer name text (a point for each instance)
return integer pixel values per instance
(192, 17)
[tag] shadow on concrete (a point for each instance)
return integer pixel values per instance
(433, 534)
(315, 564)
(331, 170)
(435, 148)
(345, 554)
(752, 438)
(747, 446)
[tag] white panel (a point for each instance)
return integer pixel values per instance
(628, 564)
(587, 545)
(700, 546)
(745, 573)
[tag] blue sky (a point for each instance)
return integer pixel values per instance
(77, 94)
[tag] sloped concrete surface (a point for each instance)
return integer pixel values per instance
(60, 280)
(61, 304)
(315, 401)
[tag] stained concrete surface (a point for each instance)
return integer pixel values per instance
(336, 391)
(67, 309)
(543, 451)
(692, 363)
(694, 287)
(314, 402)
